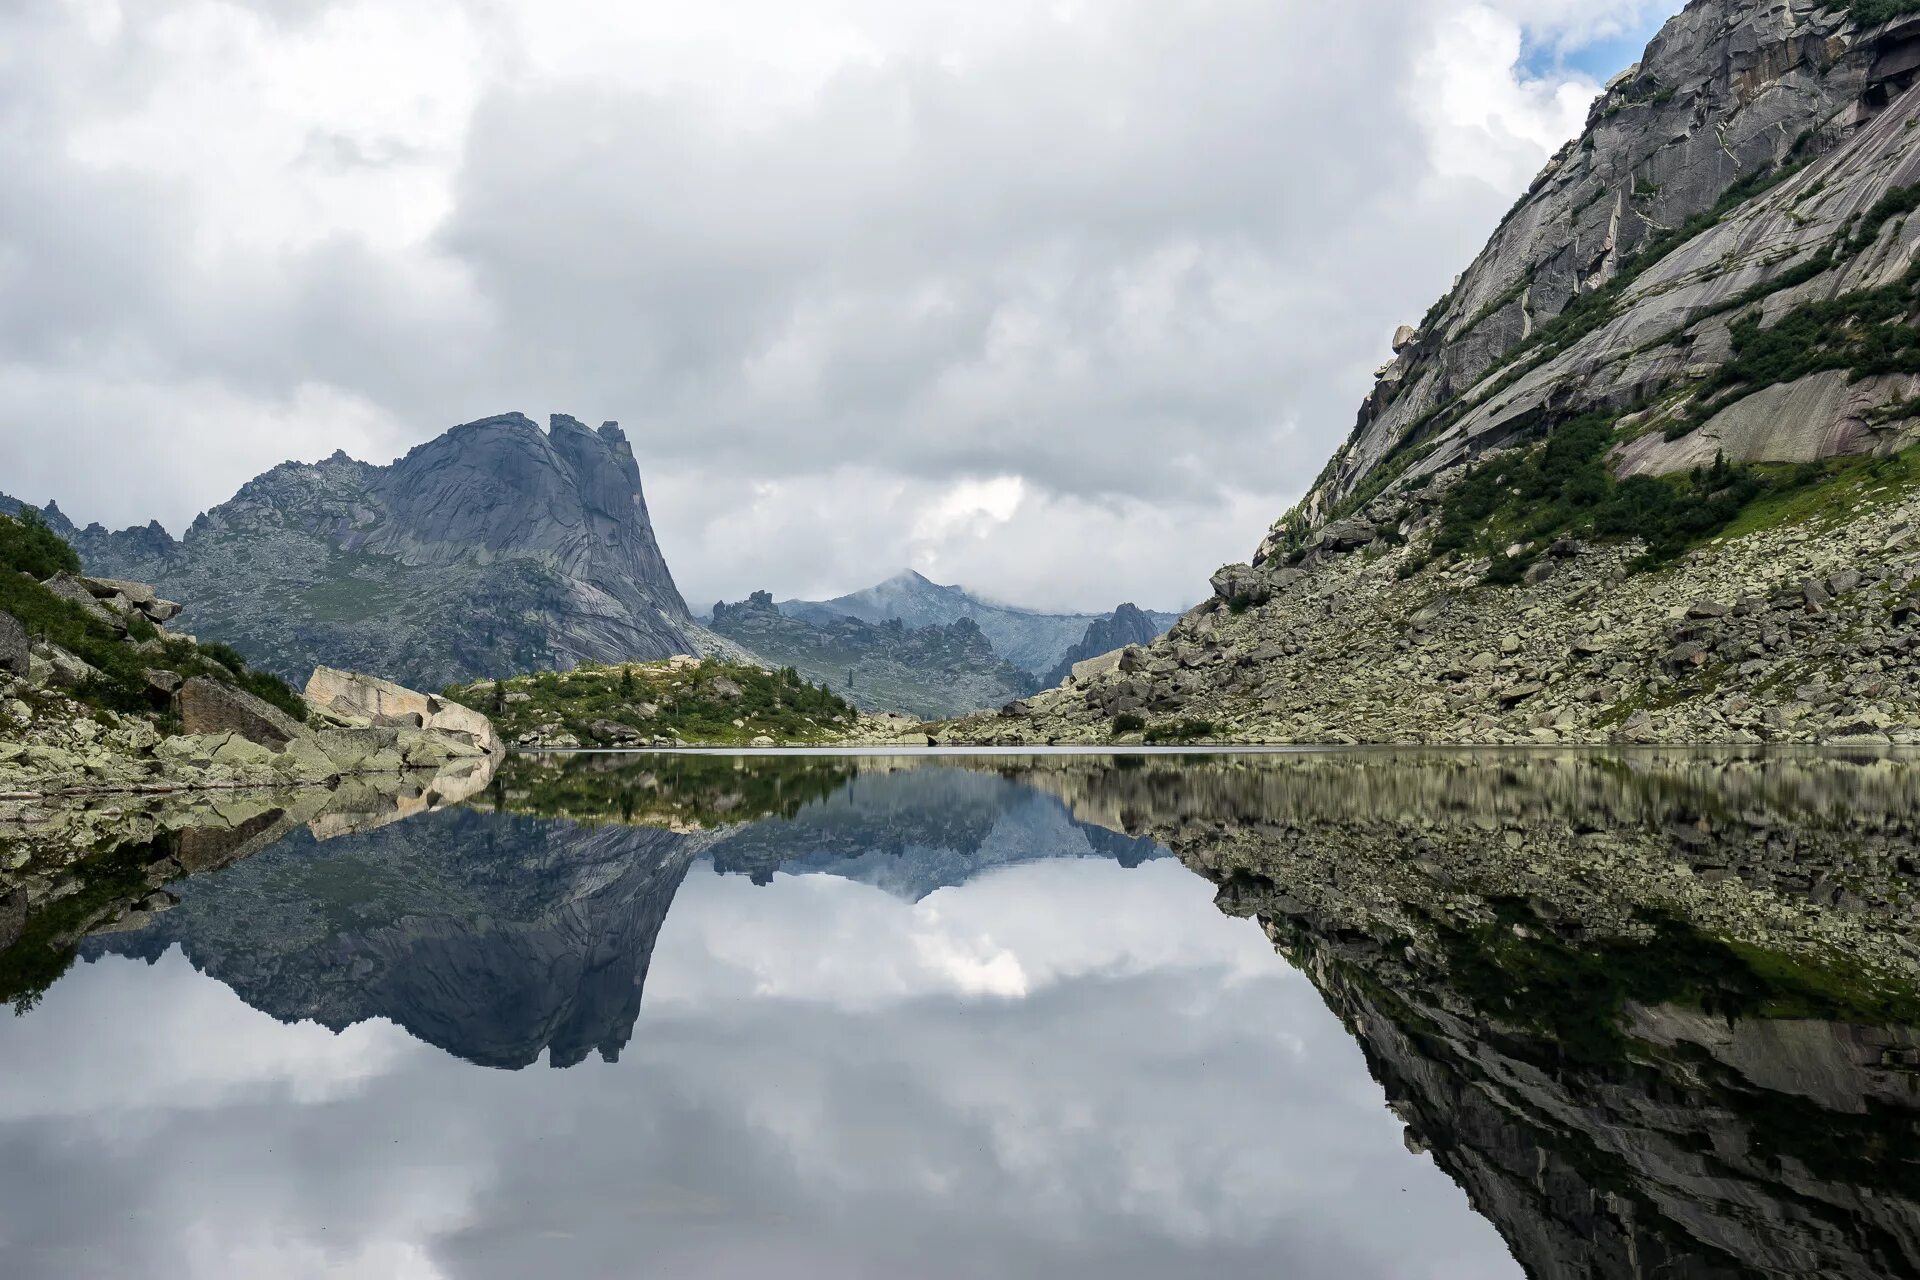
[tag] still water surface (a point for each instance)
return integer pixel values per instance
(1395, 1015)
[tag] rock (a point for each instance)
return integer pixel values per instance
(1691, 654)
(137, 596)
(1242, 586)
(209, 707)
(1518, 694)
(1708, 609)
(63, 670)
(1510, 644)
(1814, 594)
(1346, 535)
(612, 732)
(1404, 337)
(369, 698)
(762, 741)
(1093, 668)
(163, 682)
(74, 591)
(722, 687)
(1844, 581)
(15, 654)
(1537, 572)
(1016, 710)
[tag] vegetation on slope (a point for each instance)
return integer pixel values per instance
(710, 702)
(1562, 487)
(29, 551)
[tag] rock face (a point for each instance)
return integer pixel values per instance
(931, 671)
(496, 547)
(1031, 640)
(1730, 92)
(1713, 274)
(1129, 624)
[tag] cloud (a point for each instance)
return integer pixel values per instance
(1138, 259)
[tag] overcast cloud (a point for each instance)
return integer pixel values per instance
(1064, 301)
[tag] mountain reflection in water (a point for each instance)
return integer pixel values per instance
(1654, 1013)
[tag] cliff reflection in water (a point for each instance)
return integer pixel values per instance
(1656, 1013)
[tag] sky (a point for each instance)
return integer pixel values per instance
(1066, 302)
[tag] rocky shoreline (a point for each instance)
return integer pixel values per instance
(1807, 631)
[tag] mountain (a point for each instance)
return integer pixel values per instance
(1027, 638)
(494, 548)
(1646, 470)
(1128, 624)
(932, 672)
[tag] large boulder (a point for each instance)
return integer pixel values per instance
(74, 591)
(1242, 585)
(376, 701)
(209, 707)
(138, 595)
(15, 653)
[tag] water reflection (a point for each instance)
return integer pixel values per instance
(1645, 1013)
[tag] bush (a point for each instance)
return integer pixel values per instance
(1184, 731)
(28, 546)
(1128, 722)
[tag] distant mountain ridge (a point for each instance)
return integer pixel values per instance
(493, 548)
(1129, 624)
(932, 672)
(1028, 638)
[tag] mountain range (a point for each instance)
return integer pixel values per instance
(1031, 640)
(932, 672)
(499, 548)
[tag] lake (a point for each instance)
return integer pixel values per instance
(1361, 1014)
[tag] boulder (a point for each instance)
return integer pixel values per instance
(1242, 585)
(74, 591)
(163, 682)
(209, 707)
(1095, 667)
(15, 653)
(611, 731)
(137, 595)
(377, 701)
(1404, 337)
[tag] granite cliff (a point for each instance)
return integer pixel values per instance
(496, 547)
(1647, 471)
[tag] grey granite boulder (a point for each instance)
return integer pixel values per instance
(209, 707)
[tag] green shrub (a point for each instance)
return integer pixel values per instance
(28, 546)
(1183, 731)
(1128, 722)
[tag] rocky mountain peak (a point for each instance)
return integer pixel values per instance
(495, 547)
